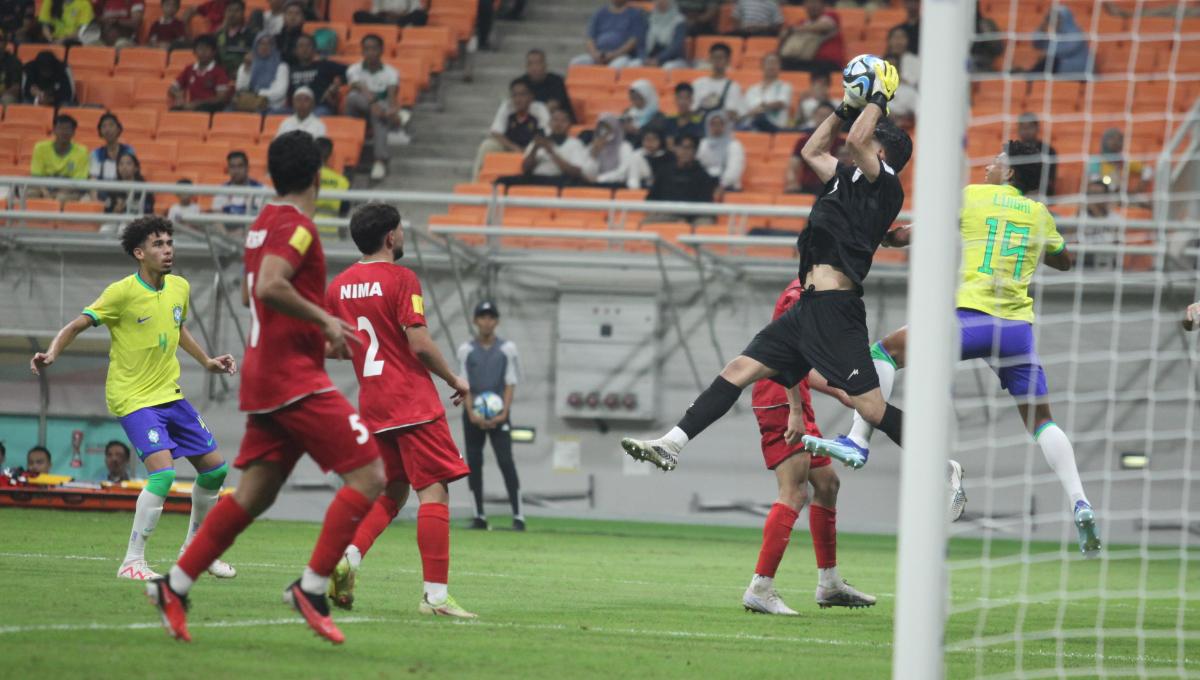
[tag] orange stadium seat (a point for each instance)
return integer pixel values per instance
(111, 92)
(783, 143)
(755, 143)
(460, 21)
(142, 122)
(587, 73)
(153, 95)
(438, 37)
(680, 75)
(527, 213)
(750, 198)
(343, 10)
(28, 52)
(10, 145)
(757, 48)
(87, 118)
(794, 200)
(86, 207)
(588, 194)
(157, 152)
(91, 57)
(183, 125)
(27, 117)
(143, 62)
(235, 127)
(177, 61)
(631, 74)
(41, 205)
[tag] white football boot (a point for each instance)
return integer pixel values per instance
(958, 497)
(136, 570)
(761, 597)
(843, 594)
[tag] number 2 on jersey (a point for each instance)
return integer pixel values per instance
(1006, 250)
(371, 366)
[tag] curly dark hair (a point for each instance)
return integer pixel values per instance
(370, 225)
(1025, 160)
(136, 232)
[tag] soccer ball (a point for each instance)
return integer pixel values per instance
(859, 77)
(488, 404)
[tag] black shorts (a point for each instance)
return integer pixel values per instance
(825, 330)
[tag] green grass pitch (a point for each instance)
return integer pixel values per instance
(568, 599)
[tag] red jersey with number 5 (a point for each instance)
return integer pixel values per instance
(769, 394)
(381, 300)
(285, 357)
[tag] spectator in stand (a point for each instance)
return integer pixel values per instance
(757, 17)
(62, 19)
(555, 159)
(30, 30)
(800, 178)
(642, 112)
(700, 16)
(373, 88)
(293, 28)
(610, 157)
(120, 21)
(204, 85)
(262, 84)
(331, 180)
(1098, 205)
(1066, 51)
(169, 31)
(717, 91)
(47, 82)
(322, 76)
(767, 104)
(518, 120)
(899, 53)
(38, 459)
(816, 95)
(235, 39)
(911, 25)
(129, 169)
(686, 121)
(818, 115)
(271, 19)
(817, 44)
(396, 12)
(649, 159)
(666, 37)
(684, 180)
(13, 16)
(984, 52)
(238, 167)
(613, 35)
(547, 88)
(1122, 176)
(1028, 131)
(185, 208)
(61, 157)
(116, 462)
(721, 154)
(483, 26)
(304, 116)
(11, 73)
(213, 11)
(104, 158)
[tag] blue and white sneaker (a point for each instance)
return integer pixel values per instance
(1085, 522)
(842, 449)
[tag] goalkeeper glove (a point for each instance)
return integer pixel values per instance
(883, 85)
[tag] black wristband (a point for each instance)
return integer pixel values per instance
(879, 99)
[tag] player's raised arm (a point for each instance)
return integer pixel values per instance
(274, 287)
(861, 139)
(61, 341)
(816, 150)
(222, 364)
(425, 349)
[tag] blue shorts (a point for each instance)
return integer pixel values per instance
(173, 426)
(1007, 346)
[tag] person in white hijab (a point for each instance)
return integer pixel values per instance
(721, 153)
(642, 112)
(610, 157)
(665, 44)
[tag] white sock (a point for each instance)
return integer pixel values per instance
(761, 582)
(1060, 455)
(677, 437)
(861, 431)
(145, 518)
(436, 593)
(202, 501)
(353, 556)
(179, 581)
(828, 578)
(313, 583)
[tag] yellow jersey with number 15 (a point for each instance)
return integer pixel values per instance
(144, 323)
(1004, 236)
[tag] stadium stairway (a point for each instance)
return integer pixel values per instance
(444, 141)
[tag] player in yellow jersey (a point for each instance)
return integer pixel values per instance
(145, 313)
(1004, 236)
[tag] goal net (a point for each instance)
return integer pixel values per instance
(1109, 92)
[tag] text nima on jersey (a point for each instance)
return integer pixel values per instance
(353, 291)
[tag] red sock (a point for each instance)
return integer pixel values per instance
(221, 527)
(382, 513)
(433, 540)
(822, 522)
(776, 533)
(348, 509)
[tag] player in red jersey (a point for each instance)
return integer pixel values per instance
(399, 403)
(783, 417)
(292, 406)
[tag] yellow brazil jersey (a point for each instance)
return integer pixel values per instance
(331, 207)
(75, 15)
(47, 163)
(144, 323)
(1004, 236)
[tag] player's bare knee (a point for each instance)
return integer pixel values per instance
(398, 491)
(434, 493)
(743, 371)
(826, 485)
(368, 480)
(794, 496)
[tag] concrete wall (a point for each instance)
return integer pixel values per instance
(1121, 373)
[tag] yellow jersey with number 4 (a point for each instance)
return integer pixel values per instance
(1004, 236)
(144, 323)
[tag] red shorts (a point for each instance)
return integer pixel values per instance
(422, 454)
(324, 425)
(772, 423)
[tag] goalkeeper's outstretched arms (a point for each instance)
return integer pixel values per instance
(816, 150)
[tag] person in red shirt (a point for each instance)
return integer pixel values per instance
(780, 415)
(120, 21)
(168, 29)
(213, 11)
(292, 406)
(399, 403)
(204, 85)
(827, 26)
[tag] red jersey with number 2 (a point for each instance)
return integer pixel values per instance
(285, 357)
(769, 394)
(381, 300)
